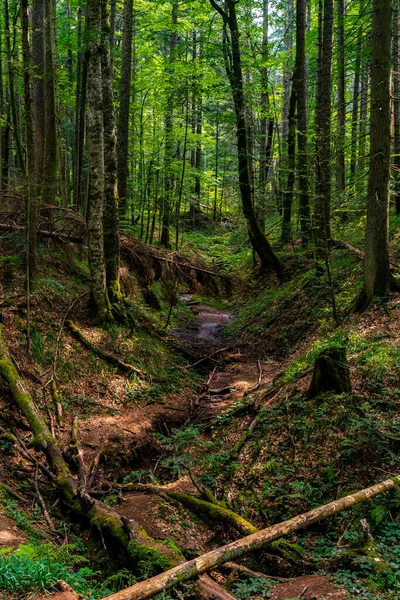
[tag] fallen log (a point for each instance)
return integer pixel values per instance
(211, 560)
(106, 356)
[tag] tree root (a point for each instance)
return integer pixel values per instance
(106, 356)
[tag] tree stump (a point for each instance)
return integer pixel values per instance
(331, 373)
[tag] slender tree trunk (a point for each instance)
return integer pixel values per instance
(96, 162)
(300, 84)
(49, 187)
(231, 48)
(169, 134)
(265, 123)
(124, 104)
(80, 112)
(38, 67)
(2, 115)
(377, 276)
(396, 104)
(286, 234)
(31, 221)
(11, 87)
(323, 110)
(341, 106)
(111, 215)
(287, 75)
(355, 109)
(361, 159)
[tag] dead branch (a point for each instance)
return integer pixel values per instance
(106, 356)
(42, 503)
(76, 446)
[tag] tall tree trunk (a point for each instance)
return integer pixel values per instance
(286, 234)
(111, 216)
(341, 106)
(169, 137)
(11, 87)
(361, 159)
(287, 76)
(80, 112)
(31, 224)
(2, 115)
(323, 110)
(377, 276)
(124, 104)
(49, 188)
(396, 104)
(355, 108)
(266, 123)
(300, 85)
(96, 163)
(231, 48)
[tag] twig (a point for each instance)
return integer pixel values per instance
(79, 455)
(209, 356)
(255, 387)
(242, 569)
(43, 505)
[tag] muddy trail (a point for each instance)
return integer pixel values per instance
(230, 372)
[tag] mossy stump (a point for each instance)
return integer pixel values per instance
(331, 373)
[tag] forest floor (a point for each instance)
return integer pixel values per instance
(220, 364)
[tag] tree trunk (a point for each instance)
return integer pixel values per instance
(169, 134)
(111, 216)
(377, 276)
(300, 85)
(11, 89)
(49, 184)
(80, 112)
(124, 104)
(355, 109)
(286, 234)
(233, 66)
(323, 110)
(396, 104)
(96, 163)
(341, 106)
(31, 221)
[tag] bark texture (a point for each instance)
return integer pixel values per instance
(96, 163)
(124, 103)
(377, 276)
(111, 216)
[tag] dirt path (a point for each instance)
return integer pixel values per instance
(233, 373)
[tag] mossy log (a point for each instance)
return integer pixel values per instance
(214, 558)
(106, 356)
(331, 373)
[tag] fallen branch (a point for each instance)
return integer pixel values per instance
(255, 541)
(106, 356)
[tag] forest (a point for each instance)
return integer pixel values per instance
(200, 299)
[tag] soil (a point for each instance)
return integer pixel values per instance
(309, 587)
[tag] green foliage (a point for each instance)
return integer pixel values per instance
(36, 569)
(250, 587)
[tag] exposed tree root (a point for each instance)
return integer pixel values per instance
(106, 356)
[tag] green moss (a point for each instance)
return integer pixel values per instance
(148, 560)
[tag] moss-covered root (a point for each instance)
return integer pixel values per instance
(42, 438)
(209, 510)
(106, 356)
